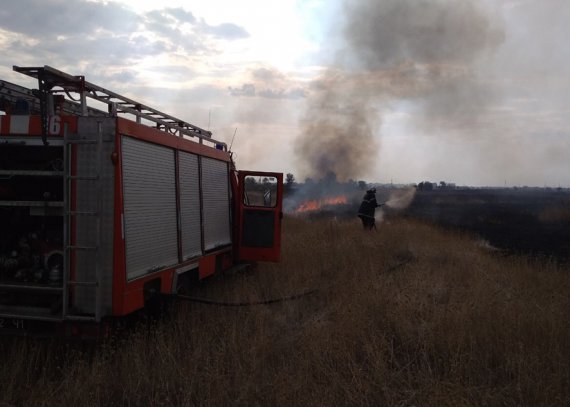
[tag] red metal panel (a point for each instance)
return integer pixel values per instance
(227, 260)
(133, 298)
(36, 127)
(133, 294)
(207, 266)
(259, 253)
(4, 124)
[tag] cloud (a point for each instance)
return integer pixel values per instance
(181, 15)
(72, 33)
(172, 72)
(247, 89)
(75, 51)
(267, 74)
(52, 18)
(65, 32)
(269, 83)
(176, 23)
(121, 76)
(228, 31)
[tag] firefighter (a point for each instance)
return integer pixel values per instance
(367, 209)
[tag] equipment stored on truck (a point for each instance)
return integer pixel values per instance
(103, 210)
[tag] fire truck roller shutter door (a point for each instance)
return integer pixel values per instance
(215, 203)
(149, 189)
(190, 205)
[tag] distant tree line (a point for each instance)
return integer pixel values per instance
(328, 182)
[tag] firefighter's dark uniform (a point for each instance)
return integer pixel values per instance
(367, 209)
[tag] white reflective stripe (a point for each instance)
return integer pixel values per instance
(19, 124)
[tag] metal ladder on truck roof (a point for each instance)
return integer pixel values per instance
(52, 81)
(69, 282)
(13, 93)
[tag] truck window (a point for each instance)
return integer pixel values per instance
(260, 191)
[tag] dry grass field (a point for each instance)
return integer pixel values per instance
(409, 315)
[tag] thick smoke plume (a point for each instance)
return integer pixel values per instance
(426, 51)
(338, 133)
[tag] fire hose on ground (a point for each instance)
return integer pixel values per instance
(269, 301)
(245, 303)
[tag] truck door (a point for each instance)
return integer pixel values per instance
(259, 207)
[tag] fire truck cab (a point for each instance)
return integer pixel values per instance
(102, 209)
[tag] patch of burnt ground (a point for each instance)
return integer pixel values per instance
(533, 221)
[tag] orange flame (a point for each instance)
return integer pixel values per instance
(315, 205)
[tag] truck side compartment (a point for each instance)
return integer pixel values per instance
(31, 221)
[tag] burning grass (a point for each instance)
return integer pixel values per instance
(410, 315)
(319, 204)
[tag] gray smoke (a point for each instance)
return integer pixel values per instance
(383, 34)
(427, 51)
(338, 131)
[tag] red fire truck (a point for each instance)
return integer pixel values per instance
(102, 209)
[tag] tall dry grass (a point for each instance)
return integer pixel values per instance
(410, 315)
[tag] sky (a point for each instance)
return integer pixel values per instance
(474, 92)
